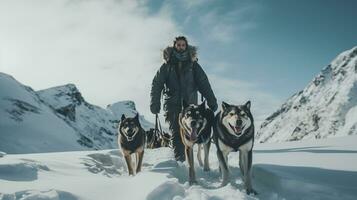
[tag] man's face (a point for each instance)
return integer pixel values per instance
(180, 45)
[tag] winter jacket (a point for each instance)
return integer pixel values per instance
(180, 85)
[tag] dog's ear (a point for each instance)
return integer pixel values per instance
(184, 104)
(225, 105)
(202, 106)
(247, 105)
(122, 117)
(136, 116)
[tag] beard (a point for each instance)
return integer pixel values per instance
(180, 50)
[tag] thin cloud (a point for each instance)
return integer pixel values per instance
(226, 26)
(192, 4)
(109, 49)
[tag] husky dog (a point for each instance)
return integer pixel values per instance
(195, 128)
(166, 140)
(154, 140)
(132, 140)
(233, 130)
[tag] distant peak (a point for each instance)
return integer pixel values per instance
(344, 57)
(322, 109)
(7, 76)
(65, 91)
(69, 86)
(126, 103)
(350, 52)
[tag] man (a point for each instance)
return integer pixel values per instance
(179, 78)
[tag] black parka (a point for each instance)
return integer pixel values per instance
(180, 86)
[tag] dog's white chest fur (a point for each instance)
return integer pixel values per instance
(224, 147)
(247, 146)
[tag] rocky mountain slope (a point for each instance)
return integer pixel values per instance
(27, 125)
(56, 119)
(327, 107)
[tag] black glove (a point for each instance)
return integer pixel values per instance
(155, 108)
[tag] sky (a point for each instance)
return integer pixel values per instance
(263, 51)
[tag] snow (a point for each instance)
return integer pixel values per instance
(123, 107)
(167, 190)
(320, 169)
(128, 109)
(97, 126)
(22, 117)
(56, 119)
(325, 108)
(49, 137)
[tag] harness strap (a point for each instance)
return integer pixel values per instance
(151, 143)
(158, 128)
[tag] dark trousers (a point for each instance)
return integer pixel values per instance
(179, 149)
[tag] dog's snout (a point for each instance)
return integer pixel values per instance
(239, 122)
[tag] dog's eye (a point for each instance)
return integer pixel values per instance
(231, 114)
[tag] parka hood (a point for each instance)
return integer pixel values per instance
(192, 50)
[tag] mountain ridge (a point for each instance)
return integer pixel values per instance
(326, 107)
(73, 123)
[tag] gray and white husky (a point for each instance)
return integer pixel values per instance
(233, 130)
(195, 128)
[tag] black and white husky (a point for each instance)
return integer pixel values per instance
(132, 140)
(155, 140)
(233, 130)
(195, 128)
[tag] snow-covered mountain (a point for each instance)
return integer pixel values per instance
(27, 125)
(95, 125)
(327, 107)
(129, 110)
(56, 119)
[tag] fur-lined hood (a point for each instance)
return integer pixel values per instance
(192, 50)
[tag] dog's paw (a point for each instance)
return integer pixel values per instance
(251, 191)
(200, 163)
(224, 183)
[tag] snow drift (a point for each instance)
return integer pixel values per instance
(320, 169)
